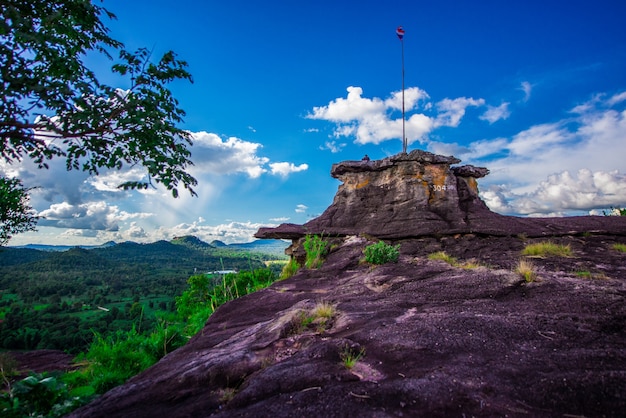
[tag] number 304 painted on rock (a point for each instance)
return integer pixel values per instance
(442, 188)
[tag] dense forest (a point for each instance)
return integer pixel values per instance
(61, 299)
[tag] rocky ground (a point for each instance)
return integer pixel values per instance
(432, 339)
(39, 361)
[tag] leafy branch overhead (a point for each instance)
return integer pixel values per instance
(54, 106)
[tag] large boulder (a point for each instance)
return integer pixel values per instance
(422, 194)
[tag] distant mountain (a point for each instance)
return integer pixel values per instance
(266, 246)
(270, 246)
(45, 247)
(191, 241)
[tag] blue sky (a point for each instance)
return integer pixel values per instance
(533, 90)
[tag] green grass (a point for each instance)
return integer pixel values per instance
(289, 269)
(350, 356)
(526, 269)
(316, 249)
(442, 256)
(381, 253)
(619, 247)
(319, 319)
(584, 274)
(547, 249)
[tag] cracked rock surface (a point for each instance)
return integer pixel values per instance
(429, 338)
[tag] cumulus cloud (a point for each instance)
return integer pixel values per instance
(212, 154)
(91, 215)
(560, 193)
(451, 111)
(557, 168)
(496, 113)
(283, 169)
(301, 208)
(374, 120)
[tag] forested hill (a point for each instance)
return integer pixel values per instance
(42, 290)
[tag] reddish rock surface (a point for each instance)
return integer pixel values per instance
(435, 339)
(39, 361)
(438, 340)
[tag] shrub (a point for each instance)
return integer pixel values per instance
(546, 249)
(381, 253)
(316, 248)
(526, 269)
(39, 395)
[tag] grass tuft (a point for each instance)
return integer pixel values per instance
(526, 269)
(289, 269)
(442, 256)
(316, 249)
(547, 249)
(324, 310)
(619, 247)
(350, 356)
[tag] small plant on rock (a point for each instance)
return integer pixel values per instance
(316, 248)
(351, 356)
(547, 249)
(381, 253)
(318, 319)
(619, 247)
(442, 256)
(526, 269)
(289, 270)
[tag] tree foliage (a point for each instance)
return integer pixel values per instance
(53, 106)
(16, 215)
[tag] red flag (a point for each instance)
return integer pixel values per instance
(400, 32)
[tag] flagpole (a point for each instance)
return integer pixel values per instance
(404, 141)
(400, 33)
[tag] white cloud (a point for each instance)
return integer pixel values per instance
(233, 155)
(527, 88)
(283, 169)
(453, 110)
(90, 215)
(353, 107)
(280, 219)
(301, 208)
(229, 233)
(496, 113)
(333, 146)
(561, 193)
(564, 167)
(213, 155)
(110, 180)
(372, 121)
(620, 97)
(539, 138)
